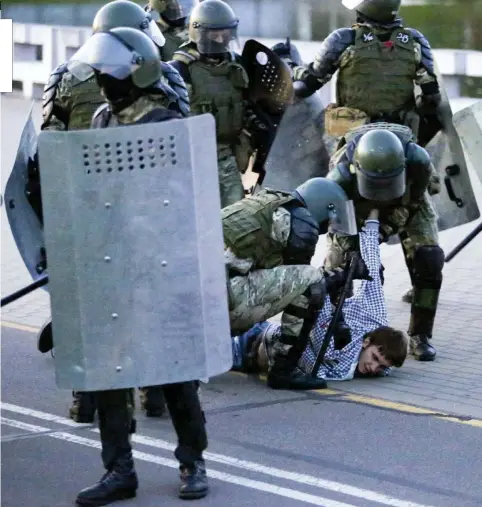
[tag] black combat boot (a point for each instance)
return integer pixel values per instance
(194, 482)
(118, 483)
(283, 374)
(421, 348)
(188, 419)
(152, 401)
(115, 424)
(83, 407)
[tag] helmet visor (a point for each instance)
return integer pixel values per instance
(153, 31)
(342, 220)
(106, 54)
(216, 41)
(351, 4)
(381, 187)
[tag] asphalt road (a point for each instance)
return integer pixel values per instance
(269, 448)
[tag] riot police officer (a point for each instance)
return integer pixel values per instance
(379, 60)
(217, 83)
(68, 104)
(136, 93)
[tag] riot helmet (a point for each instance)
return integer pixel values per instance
(128, 14)
(213, 26)
(379, 161)
(380, 11)
(172, 11)
(125, 62)
(329, 205)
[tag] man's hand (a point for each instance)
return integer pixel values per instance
(374, 214)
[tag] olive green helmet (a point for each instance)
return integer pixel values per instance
(328, 204)
(128, 14)
(379, 161)
(380, 11)
(171, 10)
(120, 53)
(213, 26)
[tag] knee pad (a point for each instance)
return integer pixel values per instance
(428, 262)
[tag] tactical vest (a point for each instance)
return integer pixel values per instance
(378, 77)
(393, 215)
(85, 99)
(217, 89)
(247, 227)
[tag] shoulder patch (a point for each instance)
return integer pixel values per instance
(50, 92)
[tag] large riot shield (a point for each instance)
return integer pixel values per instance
(136, 254)
(456, 203)
(468, 123)
(25, 224)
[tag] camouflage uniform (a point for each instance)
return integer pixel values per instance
(266, 276)
(218, 87)
(412, 217)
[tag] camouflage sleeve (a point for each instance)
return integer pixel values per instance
(327, 60)
(426, 77)
(56, 100)
(281, 226)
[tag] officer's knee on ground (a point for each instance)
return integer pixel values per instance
(428, 262)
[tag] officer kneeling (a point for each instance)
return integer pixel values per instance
(270, 239)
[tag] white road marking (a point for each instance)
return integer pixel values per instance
(307, 480)
(151, 458)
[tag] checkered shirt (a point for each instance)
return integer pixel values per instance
(363, 312)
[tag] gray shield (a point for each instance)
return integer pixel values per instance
(136, 254)
(468, 123)
(298, 152)
(456, 203)
(27, 230)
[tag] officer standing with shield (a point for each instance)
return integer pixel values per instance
(171, 17)
(380, 165)
(127, 69)
(68, 104)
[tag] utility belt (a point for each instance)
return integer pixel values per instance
(339, 119)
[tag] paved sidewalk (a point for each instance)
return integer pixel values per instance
(453, 383)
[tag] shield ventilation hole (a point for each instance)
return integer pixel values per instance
(139, 155)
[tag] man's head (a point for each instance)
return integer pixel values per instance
(382, 348)
(173, 12)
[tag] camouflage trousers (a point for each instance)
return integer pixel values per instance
(418, 237)
(230, 182)
(264, 293)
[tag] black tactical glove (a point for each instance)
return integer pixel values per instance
(428, 103)
(361, 270)
(282, 49)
